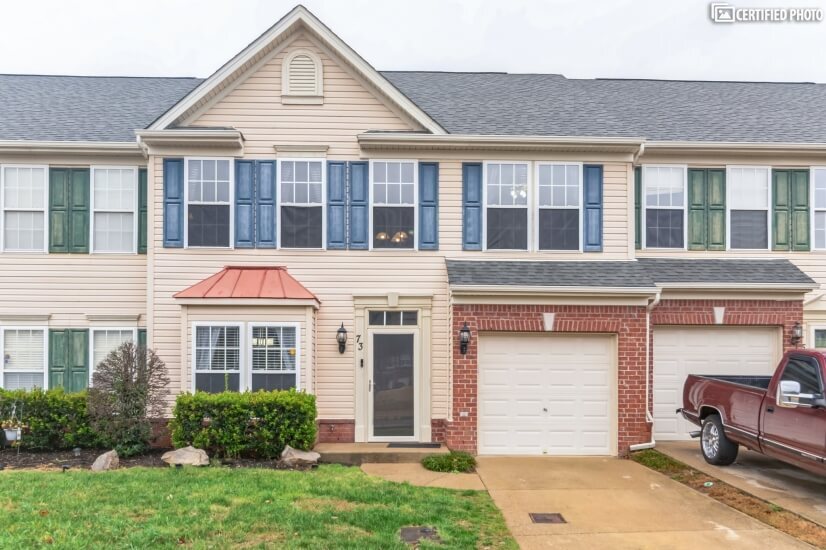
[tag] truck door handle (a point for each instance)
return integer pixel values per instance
(769, 409)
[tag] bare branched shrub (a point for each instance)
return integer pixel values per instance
(128, 390)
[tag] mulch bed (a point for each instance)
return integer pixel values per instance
(46, 461)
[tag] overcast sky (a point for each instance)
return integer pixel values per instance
(670, 39)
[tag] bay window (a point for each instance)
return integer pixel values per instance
(665, 200)
(302, 203)
(209, 202)
(819, 207)
(559, 202)
(394, 204)
(506, 206)
(24, 358)
(748, 191)
(114, 209)
(24, 201)
(274, 357)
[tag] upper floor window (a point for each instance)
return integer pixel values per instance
(209, 202)
(302, 203)
(664, 198)
(559, 202)
(302, 77)
(819, 207)
(114, 209)
(394, 204)
(506, 206)
(748, 191)
(25, 201)
(24, 358)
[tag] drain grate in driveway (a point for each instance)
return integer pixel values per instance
(547, 518)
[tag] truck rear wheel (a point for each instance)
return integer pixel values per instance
(717, 448)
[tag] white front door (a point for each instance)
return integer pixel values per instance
(393, 384)
(680, 351)
(546, 394)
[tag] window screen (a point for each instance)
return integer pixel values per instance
(274, 358)
(507, 228)
(208, 225)
(301, 227)
(24, 358)
(749, 229)
(208, 188)
(302, 220)
(506, 200)
(394, 204)
(115, 200)
(217, 358)
(663, 228)
(393, 227)
(24, 208)
(748, 203)
(559, 203)
(664, 206)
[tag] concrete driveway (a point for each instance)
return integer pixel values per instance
(617, 504)
(792, 488)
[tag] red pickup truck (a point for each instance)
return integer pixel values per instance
(782, 416)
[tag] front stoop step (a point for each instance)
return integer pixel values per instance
(356, 454)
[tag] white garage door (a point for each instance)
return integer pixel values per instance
(546, 394)
(680, 351)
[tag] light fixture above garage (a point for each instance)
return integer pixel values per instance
(341, 338)
(464, 338)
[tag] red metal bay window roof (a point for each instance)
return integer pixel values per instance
(271, 282)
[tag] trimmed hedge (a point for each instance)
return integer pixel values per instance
(456, 462)
(255, 424)
(53, 419)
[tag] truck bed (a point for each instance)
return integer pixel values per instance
(758, 382)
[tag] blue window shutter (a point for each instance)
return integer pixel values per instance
(472, 206)
(244, 208)
(336, 204)
(266, 214)
(173, 203)
(429, 206)
(592, 211)
(358, 239)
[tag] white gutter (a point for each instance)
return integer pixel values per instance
(467, 141)
(649, 416)
(734, 146)
(789, 287)
(638, 154)
(51, 147)
(580, 290)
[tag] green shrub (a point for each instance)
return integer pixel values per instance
(455, 462)
(53, 419)
(255, 424)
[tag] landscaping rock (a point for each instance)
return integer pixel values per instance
(106, 461)
(188, 456)
(294, 458)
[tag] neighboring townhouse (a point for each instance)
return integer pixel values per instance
(511, 264)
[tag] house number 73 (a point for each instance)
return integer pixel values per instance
(359, 342)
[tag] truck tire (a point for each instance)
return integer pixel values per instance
(716, 447)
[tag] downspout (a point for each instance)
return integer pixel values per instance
(639, 153)
(649, 417)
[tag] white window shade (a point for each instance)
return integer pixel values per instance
(23, 350)
(664, 186)
(22, 380)
(748, 188)
(108, 340)
(24, 188)
(24, 208)
(114, 203)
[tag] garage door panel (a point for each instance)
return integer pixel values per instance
(553, 394)
(680, 351)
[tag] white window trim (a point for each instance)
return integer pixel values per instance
(297, 371)
(92, 331)
(415, 205)
(323, 205)
(580, 208)
(812, 329)
(285, 74)
(45, 209)
(92, 210)
(45, 331)
(241, 344)
(231, 203)
(644, 205)
(814, 210)
(768, 207)
(528, 206)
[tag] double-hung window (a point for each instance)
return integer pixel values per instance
(748, 191)
(302, 203)
(506, 206)
(665, 199)
(209, 202)
(394, 203)
(107, 340)
(274, 352)
(24, 358)
(24, 201)
(217, 357)
(819, 207)
(114, 209)
(559, 202)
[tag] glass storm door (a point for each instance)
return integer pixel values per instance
(392, 386)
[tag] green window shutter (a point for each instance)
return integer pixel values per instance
(716, 209)
(143, 209)
(142, 337)
(69, 359)
(781, 211)
(638, 207)
(79, 211)
(58, 210)
(799, 202)
(57, 359)
(697, 209)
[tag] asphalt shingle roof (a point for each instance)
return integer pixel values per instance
(547, 273)
(657, 110)
(79, 108)
(736, 271)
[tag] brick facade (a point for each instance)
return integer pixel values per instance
(336, 431)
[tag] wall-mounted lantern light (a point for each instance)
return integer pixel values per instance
(341, 338)
(797, 334)
(464, 338)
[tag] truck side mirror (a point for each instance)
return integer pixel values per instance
(789, 393)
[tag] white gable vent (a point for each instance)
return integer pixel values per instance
(302, 78)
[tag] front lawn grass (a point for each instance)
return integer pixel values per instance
(331, 507)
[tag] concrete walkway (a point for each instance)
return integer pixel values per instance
(416, 474)
(794, 489)
(617, 504)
